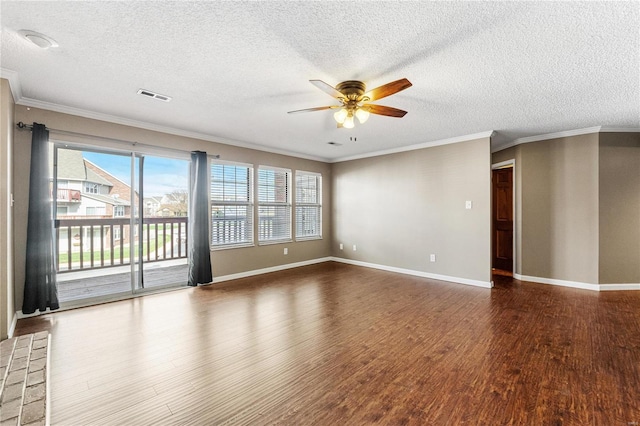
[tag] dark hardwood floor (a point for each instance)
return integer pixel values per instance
(334, 344)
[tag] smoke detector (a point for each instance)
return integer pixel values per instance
(39, 39)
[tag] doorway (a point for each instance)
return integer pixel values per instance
(121, 223)
(502, 182)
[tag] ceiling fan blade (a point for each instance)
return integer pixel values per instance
(332, 91)
(384, 110)
(314, 109)
(388, 89)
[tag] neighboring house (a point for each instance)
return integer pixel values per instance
(86, 191)
(152, 206)
(169, 205)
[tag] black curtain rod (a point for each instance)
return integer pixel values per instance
(29, 127)
(23, 126)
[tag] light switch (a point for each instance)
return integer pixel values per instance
(468, 204)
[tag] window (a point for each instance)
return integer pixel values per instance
(91, 188)
(95, 211)
(62, 210)
(274, 205)
(308, 205)
(118, 211)
(231, 205)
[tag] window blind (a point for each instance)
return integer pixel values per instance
(274, 204)
(231, 205)
(308, 205)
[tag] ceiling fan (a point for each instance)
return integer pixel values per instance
(354, 100)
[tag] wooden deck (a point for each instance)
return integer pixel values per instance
(103, 282)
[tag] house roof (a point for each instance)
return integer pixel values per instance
(94, 177)
(155, 199)
(107, 199)
(71, 166)
(235, 68)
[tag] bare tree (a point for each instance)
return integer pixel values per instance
(175, 203)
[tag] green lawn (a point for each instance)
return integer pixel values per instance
(86, 256)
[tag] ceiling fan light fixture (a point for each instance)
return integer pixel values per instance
(348, 122)
(362, 115)
(341, 115)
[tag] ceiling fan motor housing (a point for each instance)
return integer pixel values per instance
(352, 89)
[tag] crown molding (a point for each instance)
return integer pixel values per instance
(620, 130)
(34, 103)
(465, 138)
(14, 83)
(564, 134)
(546, 136)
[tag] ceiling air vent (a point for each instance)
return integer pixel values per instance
(157, 96)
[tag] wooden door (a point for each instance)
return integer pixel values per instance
(502, 181)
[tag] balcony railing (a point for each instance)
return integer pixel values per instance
(101, 243)
(69, 195)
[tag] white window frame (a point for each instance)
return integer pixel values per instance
(249, 205)
(265, 203)
(90, 187)
(118, 209)
(300, 206)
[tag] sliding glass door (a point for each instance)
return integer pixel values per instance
(163, 207)
(121, 221)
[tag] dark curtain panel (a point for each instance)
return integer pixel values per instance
(40, 287)
(199, 252)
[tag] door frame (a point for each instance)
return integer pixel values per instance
(136, 267)
(503, 165)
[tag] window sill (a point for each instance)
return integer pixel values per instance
(269, 243)
(308, 238)
(232, 246)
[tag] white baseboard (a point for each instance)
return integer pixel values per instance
(577, 284)
(12, 326)
(268, 270)
(615, 287)
(458, 280)
(20, 315)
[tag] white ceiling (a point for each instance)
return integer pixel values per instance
(234, 69)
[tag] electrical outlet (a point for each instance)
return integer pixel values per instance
(286, 251)
(354, 247)
(432, 258)
(341, 246)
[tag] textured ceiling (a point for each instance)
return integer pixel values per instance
(234, 69)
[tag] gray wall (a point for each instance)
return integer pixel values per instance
(400, 208)
(560, 208)
(224, 262)
(578, 207)
(619, 208)
(7, 307)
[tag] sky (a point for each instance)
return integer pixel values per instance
(161, 175)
